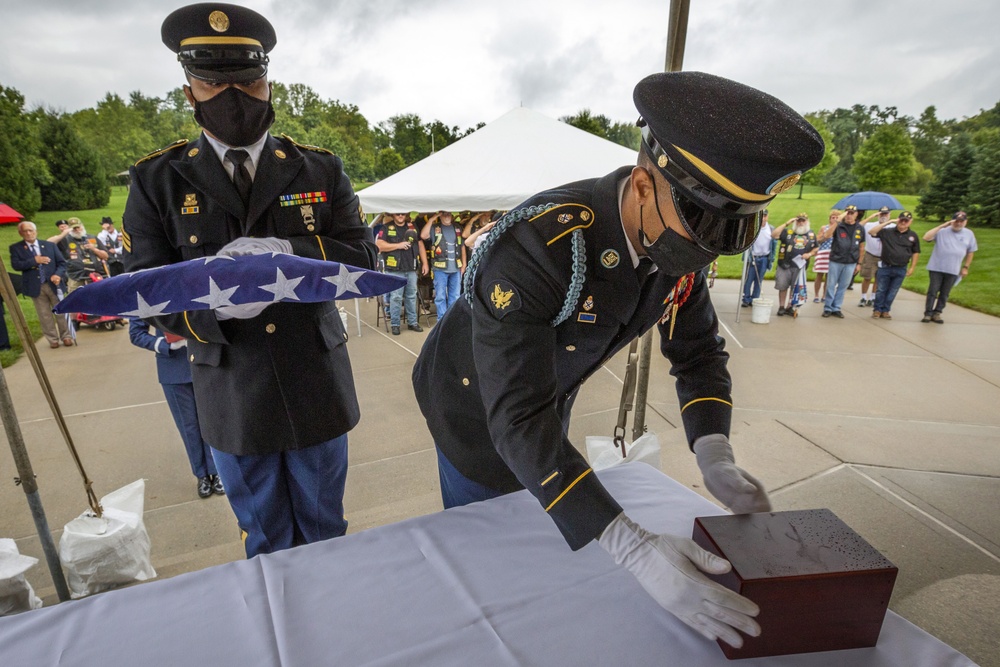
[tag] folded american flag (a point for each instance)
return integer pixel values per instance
(213, 282)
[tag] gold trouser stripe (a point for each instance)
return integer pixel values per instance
(730, 187)
(690, 403)
(321, 249)
(219, 40)
(188, 323)
(567, 489)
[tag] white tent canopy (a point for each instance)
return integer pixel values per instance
(498, 166)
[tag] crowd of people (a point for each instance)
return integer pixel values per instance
(883, 251)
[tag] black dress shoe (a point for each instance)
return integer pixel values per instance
(204, 487)
(781, 311)
(217, 487)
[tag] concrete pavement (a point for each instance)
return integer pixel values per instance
(894, 425)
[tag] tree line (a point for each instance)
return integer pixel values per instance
(50, 160)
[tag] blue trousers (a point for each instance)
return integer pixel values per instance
(446, 289)
(755, 277)
(405, 295)
(180, 399)
(889, 280)
(840, 276)
(457, 489)
(289, 498)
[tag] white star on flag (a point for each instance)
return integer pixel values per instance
(282, 287)
(215, 257)
(145, 310)
(216, 298)
(345, 280)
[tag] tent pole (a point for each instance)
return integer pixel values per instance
(676, 38)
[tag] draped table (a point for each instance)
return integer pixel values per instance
(492, 583)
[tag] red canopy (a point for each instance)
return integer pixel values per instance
(7, 214)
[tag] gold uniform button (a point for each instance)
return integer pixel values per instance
(270, 328)
(192, 358)
(193, 239)
(465, 381)
(571, 348)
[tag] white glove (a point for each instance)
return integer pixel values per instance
(734, 487)
(670, 569)
(246, 245)
(240, 311)
(178, 344)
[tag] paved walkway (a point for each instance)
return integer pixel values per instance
(894, 425)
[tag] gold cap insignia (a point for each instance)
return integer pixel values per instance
(280, 154)
(610, 259)
(662, 161)
(219, 21)
(192, 152)
(784, 183)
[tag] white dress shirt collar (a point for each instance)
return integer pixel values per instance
(254, 149)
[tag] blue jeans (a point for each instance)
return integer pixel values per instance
(938, 290)
(755, 276)
(837, 280)
(407, 294)
(180, 399)
(446, 289)
(889, 279)
(288, 498)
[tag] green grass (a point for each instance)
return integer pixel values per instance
(978, 291)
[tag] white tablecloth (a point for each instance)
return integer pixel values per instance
(488, 584)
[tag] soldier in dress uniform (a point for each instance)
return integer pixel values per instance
(570, 277)
(273, 385)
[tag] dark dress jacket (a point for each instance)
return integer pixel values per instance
(281, 380)
(496, 380)
(34, 275)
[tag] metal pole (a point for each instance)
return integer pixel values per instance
(28, 344)
(676, 39)
(743, 280)
(26, 476)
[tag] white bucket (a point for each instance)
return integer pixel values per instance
(761, 313)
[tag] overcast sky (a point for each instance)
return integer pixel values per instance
(466, 61)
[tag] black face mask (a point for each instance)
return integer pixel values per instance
(672, 253)
(235, 118)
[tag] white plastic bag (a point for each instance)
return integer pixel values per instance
(602, 453)
(101, 553)
(16, 594)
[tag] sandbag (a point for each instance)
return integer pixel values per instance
(16, 594)
(99, 553)
(602, 453)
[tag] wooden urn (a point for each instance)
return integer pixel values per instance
(819, 585)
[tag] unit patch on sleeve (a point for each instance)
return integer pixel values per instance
(503, 298)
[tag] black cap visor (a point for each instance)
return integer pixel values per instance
(678, 176)
(715, 231)
(224, 65)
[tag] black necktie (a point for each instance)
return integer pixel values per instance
(241, 175)
(643, 270)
